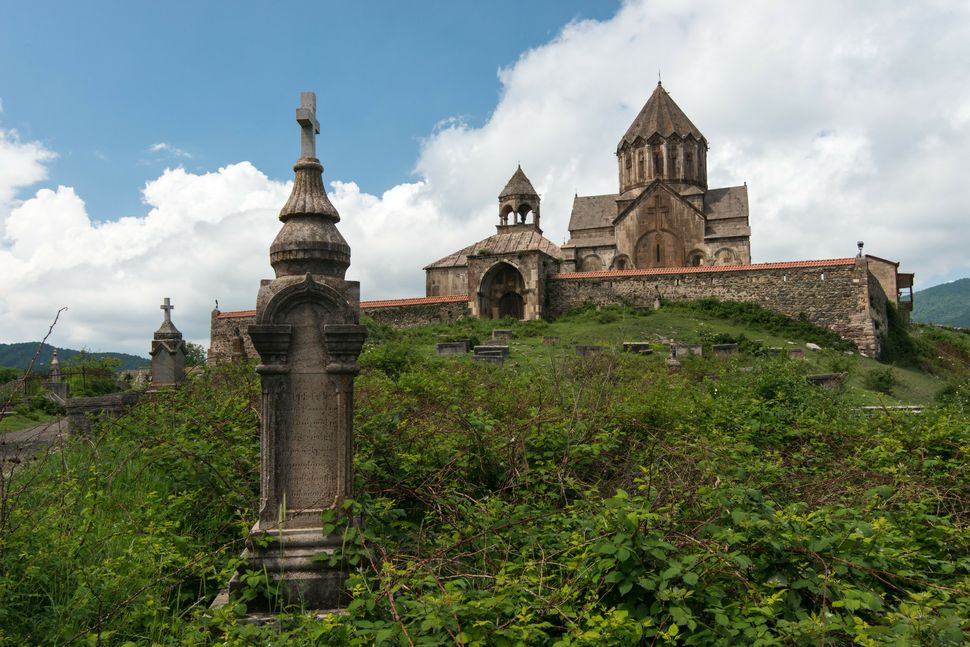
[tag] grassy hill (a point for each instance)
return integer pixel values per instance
(946, 305)
(18, 356)
(552, 500)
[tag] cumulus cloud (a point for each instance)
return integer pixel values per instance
(847, 123)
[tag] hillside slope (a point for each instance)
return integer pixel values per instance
(18, 356)
(946, 305)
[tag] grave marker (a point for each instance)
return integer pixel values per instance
(308, 339)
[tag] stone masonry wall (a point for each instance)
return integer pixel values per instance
(832, 296)
(225, 327)
(407, 316)
(229, 329)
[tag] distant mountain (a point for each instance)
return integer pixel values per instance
(18, 356)
(947, 304)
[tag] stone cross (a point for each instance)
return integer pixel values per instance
(167, 307)
(306, 116)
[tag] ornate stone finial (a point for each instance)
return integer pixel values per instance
(309, 241)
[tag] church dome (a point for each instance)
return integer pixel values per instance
(662, 144)
(660, 116)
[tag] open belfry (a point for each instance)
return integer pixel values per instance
(307, 336)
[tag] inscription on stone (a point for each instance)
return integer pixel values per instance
(311, 457)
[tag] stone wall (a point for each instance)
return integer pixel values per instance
(407, 315)
(832, 294)
(229, 338)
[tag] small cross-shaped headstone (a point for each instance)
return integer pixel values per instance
(306, 116)
(167, 307)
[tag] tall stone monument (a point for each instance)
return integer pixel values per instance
(168, 351)
(308, 339)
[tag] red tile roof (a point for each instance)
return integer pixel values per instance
(237, 313)
(389, 303)
(706, 269)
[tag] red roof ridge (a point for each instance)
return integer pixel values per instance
(414, 301)
(704, 269)
(236, 313)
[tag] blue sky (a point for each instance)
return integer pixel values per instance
(102, 82)
(146, 148)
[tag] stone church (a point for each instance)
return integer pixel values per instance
(663, 216)
(663, 234)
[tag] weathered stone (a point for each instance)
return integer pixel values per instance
(550, 339)
(308, 339)
(492, 349)
(82, 412)
(502, 335)
(639, 347)
(168, 352)
(585, 350)
(827, 380)
(489, 358)
(452, 348)
(796, 353)
(724, 350)
(673, 365)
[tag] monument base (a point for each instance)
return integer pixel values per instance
(300, 574)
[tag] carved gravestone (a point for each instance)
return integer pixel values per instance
(168, 351)
(308, 339)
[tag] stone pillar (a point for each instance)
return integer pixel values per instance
(308, 339)
(168, 351)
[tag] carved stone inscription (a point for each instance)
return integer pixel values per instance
(310, 449)
(310, 464)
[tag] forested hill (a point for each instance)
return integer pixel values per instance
(946, 305)
(18, 356)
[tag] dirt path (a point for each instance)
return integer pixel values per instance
(15, 446)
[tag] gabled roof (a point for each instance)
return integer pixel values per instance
(592, 211)
(518, 184)
(660, 116)
(504, 243)
(656, 185)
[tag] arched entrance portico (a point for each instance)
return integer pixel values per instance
(502, 293)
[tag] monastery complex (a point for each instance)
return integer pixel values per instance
(663, 235)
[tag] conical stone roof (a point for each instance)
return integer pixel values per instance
(518, 184)
(661, 116)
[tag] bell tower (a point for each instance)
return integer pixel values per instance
(517, 200)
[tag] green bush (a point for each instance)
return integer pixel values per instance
(882, 380)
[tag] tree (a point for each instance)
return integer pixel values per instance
(195, 354)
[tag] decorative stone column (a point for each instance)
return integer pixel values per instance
(308, 339)
(168, 351)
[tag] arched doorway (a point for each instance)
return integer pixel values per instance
(501, 293)
(511, 306)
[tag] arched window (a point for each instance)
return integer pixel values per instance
(688, 164)
(658, 163)
(658, 252)
(640, 174)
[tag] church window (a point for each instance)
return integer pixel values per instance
(672, 162)
(640, 173)
(658, 163)
(621, 264)
(658, 252)
(688, 164)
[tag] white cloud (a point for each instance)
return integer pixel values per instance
(846, 122)
(163, 147)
